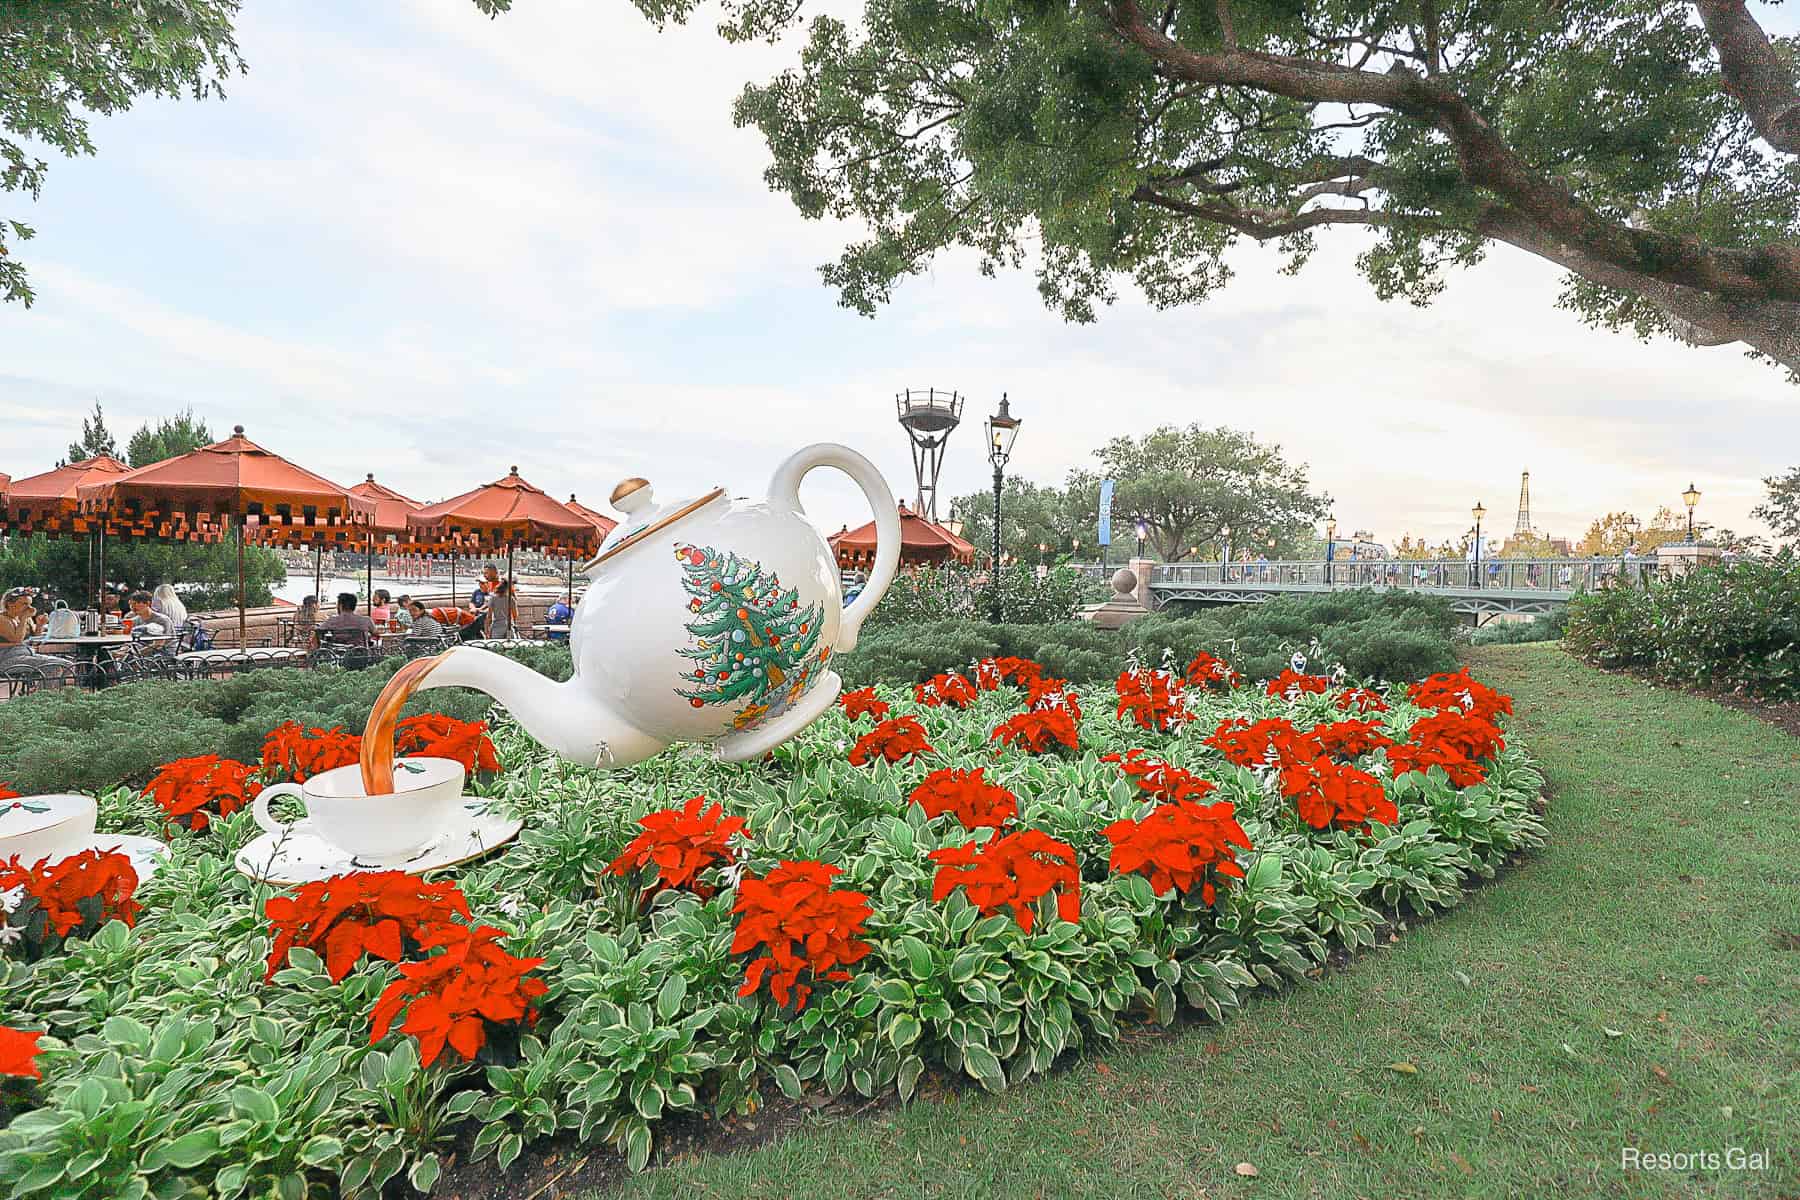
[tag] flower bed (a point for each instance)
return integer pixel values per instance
(973, 895)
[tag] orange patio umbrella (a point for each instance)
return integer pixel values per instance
(921, 541)
(508, 514)
(261, 494)
(603, 525)
(391, 511)
(48, 503)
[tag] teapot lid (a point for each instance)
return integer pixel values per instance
(643, 516)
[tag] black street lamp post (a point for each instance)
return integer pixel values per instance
(1479, 512)
(1141, 531)
(1002, 428)
(1330, 546)
(1690, 497)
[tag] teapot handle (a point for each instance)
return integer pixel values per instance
(784, 490)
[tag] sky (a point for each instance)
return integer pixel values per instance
(421, 243)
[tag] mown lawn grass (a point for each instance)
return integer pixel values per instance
(1666, 908)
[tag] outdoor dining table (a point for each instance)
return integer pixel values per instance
(92, 647)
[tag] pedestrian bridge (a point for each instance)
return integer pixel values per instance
(1521, 586)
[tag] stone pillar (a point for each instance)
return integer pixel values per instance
(1140, 567)
(1678, 558)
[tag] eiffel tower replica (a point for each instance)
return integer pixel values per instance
(1522, 526)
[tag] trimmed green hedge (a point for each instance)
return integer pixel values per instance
(71, 740)
(1373, 635)
(1735, 626)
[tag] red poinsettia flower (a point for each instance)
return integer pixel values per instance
(681, 843)
(976, 802)
(434, 735)
(1270, 742)
(1326, 793)
(451, 997)
(945, 688)
(190, 791)
(1362, 700)
(803, 924)
(987, 675)
(7, 793)
(864, 702)
(1205, 671)
(1180, 844)
(362, 912)
(1291, 684)
(61, 888)
(893, 740)
(1017, 670)
(1011, 873)
(18, 1053)
(1453, 740)
(1461, 691)
(1038, 731)
(1151, 698)
(1159, 780)
(1349, 739)
(297, 753)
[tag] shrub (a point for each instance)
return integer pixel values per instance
(933, 593)
(69, 740)
(1735, 626)
(1547, 628)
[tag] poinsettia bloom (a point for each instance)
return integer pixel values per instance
(361, 912)
(1362, 700)
(1018, 670)
(18, 1053)
(7, 793)
(945, 688)
(1011, 873)
(1327, 794)
(803, 924)
(1349, 739)
(894, 739)
(1178, 845)
(1038, 731)
(1462, 691)
(1158, 780)
(975, 802)
(190, 790)
(1452, 740)
(434, 735)
(681, 843)
(1291, 684)
(987, 675)
(1205, 671)
(863, 702)
(1266, 743)
(65, 888)
(1151, 698)
(298, 753)
(450, 997)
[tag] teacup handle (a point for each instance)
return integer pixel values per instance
(259, 808)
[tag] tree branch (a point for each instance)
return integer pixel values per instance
(1753, 72)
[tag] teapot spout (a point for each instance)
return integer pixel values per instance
(563, 716)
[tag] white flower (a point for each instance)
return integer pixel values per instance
(732, 873)
(11, 935)
(512, 906)
(11, 898)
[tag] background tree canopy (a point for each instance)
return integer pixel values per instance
(1649, 147)
(1187, 483)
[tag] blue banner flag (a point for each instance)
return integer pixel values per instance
(1106, 495)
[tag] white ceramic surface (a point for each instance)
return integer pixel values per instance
(426, 802)
(38, 827)
(634, 690)
(300, 855)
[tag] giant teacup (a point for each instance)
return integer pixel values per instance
(383, 829)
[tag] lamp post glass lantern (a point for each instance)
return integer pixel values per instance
(1002, 430)
(1478, 512)
(1141, 530)
(1690, 498)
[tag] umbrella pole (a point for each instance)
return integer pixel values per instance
(571, 581)
(318, 568)
(455, 601)
(101, 598)
(242, 641)
(369, 571)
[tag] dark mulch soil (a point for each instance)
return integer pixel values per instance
(1783, 714)
(563, 1166)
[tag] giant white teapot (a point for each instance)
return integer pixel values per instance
(707, 620)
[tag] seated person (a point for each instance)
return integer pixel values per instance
(19, 619)
(421, 622)
(347, 624)
(381, 608)
(403, 612)
(145, 620)
(559, 614)
(467, 625)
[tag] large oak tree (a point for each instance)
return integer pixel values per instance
(1649, 147)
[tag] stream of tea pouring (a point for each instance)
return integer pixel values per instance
(377, 753)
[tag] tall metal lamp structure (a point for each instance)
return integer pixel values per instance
(1690, 498)
(1002, 430)
(1478, 512)
(929, 417)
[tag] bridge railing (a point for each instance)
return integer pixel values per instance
(1549, 576)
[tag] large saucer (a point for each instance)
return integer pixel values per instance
(300, 855)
